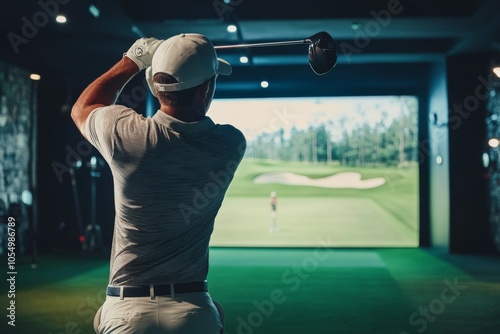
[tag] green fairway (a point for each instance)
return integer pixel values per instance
(386, 216)
(301, 221)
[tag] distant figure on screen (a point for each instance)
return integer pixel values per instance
(274, 202)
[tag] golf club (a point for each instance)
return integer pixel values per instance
(322, 50)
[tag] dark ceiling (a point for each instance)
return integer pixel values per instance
(367, 32)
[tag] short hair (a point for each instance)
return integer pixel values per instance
(179, 98)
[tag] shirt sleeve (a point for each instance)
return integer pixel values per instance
(100, 127)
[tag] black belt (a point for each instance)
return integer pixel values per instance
(156, 289)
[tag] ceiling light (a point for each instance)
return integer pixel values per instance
(27, 197)
(61, 19)
(243, 59)
(264, 84)
(34, 76)
(137, 31)
(493, 142)
(439, 159)
(94, 11)
(496, 70)
(355, 26)
(231, 28)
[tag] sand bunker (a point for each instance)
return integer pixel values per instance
(350, 180)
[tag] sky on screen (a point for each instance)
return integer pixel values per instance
(254, 116)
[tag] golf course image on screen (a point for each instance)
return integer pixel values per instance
(339, 172)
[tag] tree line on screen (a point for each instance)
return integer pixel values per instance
(366, 145)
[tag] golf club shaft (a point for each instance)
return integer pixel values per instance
(258, 45)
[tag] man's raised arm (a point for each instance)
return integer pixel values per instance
(105, 90)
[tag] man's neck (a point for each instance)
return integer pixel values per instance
(184, 114)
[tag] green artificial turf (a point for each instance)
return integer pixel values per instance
(313, 290)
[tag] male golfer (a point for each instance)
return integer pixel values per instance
(170, 174)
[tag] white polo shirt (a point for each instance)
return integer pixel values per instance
(170, 178)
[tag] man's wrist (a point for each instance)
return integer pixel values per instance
(130, 66)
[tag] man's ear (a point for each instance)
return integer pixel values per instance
(204, 89)
(149, 80)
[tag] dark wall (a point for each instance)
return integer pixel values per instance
(493, 154)
(17, 96)
(16, 108)
(60, 147)
(468, 87)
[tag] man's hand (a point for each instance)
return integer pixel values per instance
(142, 51)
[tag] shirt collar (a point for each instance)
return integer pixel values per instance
(183, 127)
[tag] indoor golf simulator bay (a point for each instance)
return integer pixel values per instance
(250, 167)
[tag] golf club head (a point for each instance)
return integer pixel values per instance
(322, 53)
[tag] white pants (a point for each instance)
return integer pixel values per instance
(187, 313)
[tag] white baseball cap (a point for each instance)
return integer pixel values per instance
(189, 58)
